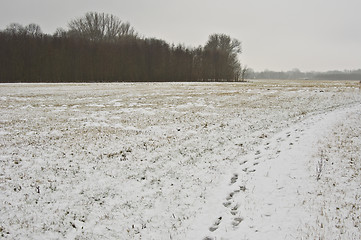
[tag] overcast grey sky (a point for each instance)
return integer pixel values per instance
(276, 34)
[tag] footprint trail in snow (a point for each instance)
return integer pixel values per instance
(265, 194)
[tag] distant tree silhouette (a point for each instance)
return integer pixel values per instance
(297, 74)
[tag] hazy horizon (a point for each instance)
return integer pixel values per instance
(279, 35)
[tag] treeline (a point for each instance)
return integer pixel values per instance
(297, 74)
(339, 75)
(101, 48)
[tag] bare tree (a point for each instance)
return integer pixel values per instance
(221, 53)
(100, 26)
(33, 30)
(244, 73)
(60, 33)
(15, 29)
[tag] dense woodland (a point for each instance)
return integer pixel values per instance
(100, 47)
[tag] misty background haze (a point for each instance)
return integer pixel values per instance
(279, 35)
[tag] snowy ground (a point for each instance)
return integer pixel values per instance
(259, 160)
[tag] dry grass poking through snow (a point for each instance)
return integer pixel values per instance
(338, 201)
(139, 161)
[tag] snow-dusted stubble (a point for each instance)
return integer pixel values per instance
(135, 161)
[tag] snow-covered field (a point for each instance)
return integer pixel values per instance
(258, 160)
